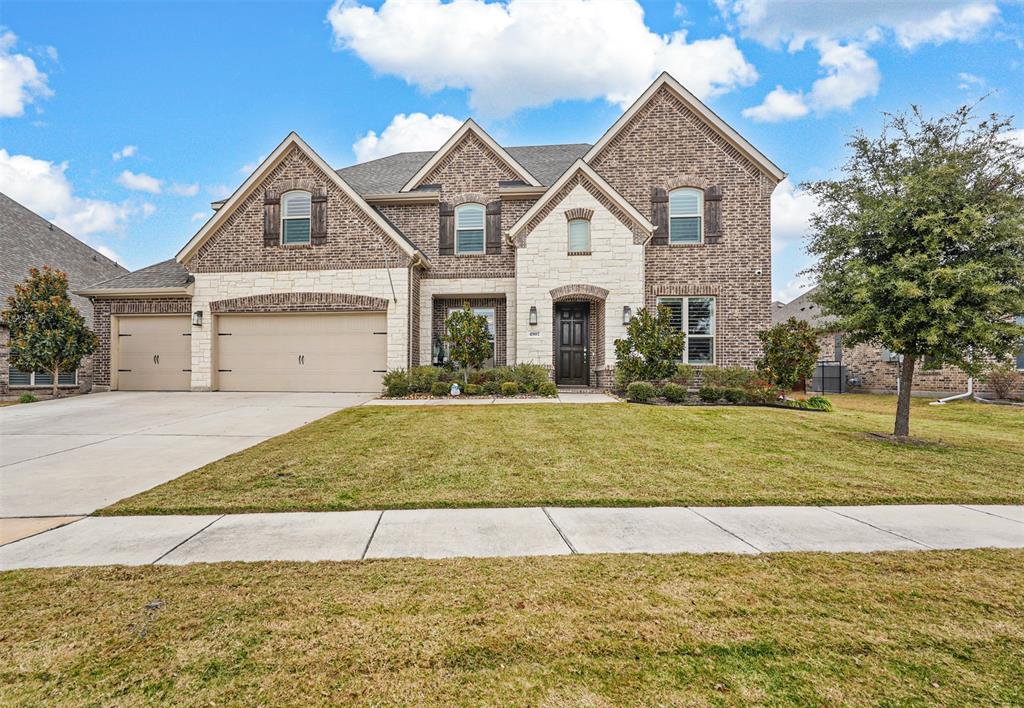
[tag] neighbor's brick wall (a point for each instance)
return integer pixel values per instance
(442, 307)
(102, 310)
(353, 239)
(667, 145)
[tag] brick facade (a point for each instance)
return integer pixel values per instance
(300, 302)
(104, 309)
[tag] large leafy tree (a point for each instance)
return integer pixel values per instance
(47, 332)
(790, 351)
(920, 243)
(650, 349)
(468, 339)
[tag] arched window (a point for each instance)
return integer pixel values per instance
(469, 228)
(579, 236)
(685, 216)
(296, 208)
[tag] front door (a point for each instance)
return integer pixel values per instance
(571, 344)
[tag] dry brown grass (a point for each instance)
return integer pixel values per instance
(919, 627)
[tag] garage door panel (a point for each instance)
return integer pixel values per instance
(154, 353)
(302, 352)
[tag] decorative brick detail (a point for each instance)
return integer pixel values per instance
(579, 213)
(443, 305)
(468, 198)
(473, 159)
(300, 302)
(102, 310)
(353, 239)
(656, 290)
(685, 181)
(567, 292)
(414, 316)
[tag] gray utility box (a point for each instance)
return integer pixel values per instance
(829, 377)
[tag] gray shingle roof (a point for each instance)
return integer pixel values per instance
(802, 308)
(28, 240)
(388, 175)
(165, 274)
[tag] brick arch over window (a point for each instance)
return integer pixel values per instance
(468, 198)
(568, 292)
(300, 302)
(681, 181)
(579, 213)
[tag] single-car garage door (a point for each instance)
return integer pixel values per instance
(154, 353)
(302, 352)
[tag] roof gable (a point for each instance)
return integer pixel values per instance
(260, 173)
(710, 118)
(469, 127)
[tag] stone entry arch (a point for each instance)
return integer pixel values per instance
(594, 297)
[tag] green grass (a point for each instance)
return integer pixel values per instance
(902, 628)
(406, 457)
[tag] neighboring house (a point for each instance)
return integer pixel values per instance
(27, 240)
(309, 278)
(871, 368)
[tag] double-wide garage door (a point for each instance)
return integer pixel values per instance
(301, 352)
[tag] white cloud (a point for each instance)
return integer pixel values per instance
(43, 187)
(21, 81)
(250, 167)
(140, 182)
(969, 82)
(1016, 136)
(126, 151)
(794, 288)
(952, 24)
(219, 191)
(184, 190)
(791, 214)
(779, 104)
(519, 53)
(199, 216)
(406, 133)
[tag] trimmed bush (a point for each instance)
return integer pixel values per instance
(673, 392)
(726, 376)
(396, 383)
(440, 388)
(474, 389)
(492, 388)
(530, 376)
(548, 389)
(1003, 378)
(422, 378)
(761, 391)
(27, 398)
(683, 375)
(819, 403)
(640, 391)
(710, 394)
(509, 388)
(734, 395)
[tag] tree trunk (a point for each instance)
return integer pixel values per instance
(906, 375)
(53, 384)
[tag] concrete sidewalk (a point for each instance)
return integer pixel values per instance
(445, 533)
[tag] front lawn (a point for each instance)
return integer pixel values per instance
(902, 628)
(615, 454)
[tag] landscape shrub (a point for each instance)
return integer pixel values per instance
(790, 351)
(683, 375)
(640, 391)
(27, 398)
(492, 388)
(726, 376)
(548, 389)
(734, 395)
(529, 376)
(422, 378)
(673, 392)
(761, 391)
(709, 394)
(396, 383)
(440, 388)
(474, 389)
(650, 348)
(1003, 378)
(819, 403)
(509, 388)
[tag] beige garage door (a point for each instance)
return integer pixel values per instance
(154, 353)
(314, 352)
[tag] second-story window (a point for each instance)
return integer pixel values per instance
(685, 215)
(579, 236)
(296, 208)
(469, 229)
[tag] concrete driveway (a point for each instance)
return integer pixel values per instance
(72, 456)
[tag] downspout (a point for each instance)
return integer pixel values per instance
(957, 397)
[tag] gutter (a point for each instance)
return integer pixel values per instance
(185, 291)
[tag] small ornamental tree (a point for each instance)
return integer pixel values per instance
(790, 352)
(920, 244)
(651, 348)
(468, 339)
(47, 332)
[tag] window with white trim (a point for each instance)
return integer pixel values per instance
(469, 229)
(490, 314)
(16, 377)
(685, 215)
(579, 236)
(695, 316)
(296, 211)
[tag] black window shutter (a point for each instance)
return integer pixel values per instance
(713, 214)
(446, 229)
(271, 218)
(492, 227)
(318, 223)
(659, 216)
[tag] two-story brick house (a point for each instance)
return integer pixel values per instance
(310, 278)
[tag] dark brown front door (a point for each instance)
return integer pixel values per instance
(571, 344)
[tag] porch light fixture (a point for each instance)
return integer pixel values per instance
(197, 318)
(627, 315)
(533, 314)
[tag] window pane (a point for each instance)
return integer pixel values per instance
(66, 378)
(487, 312)
(469, 241)
(296, 231)
(700, 350)
(43, 379)
(675, 306)
(18, 378)
(701, 315)
(579, 236)
(684, 229)
(296, 205)
(684, 202)
(469, 216)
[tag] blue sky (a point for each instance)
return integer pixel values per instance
(122, 121)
